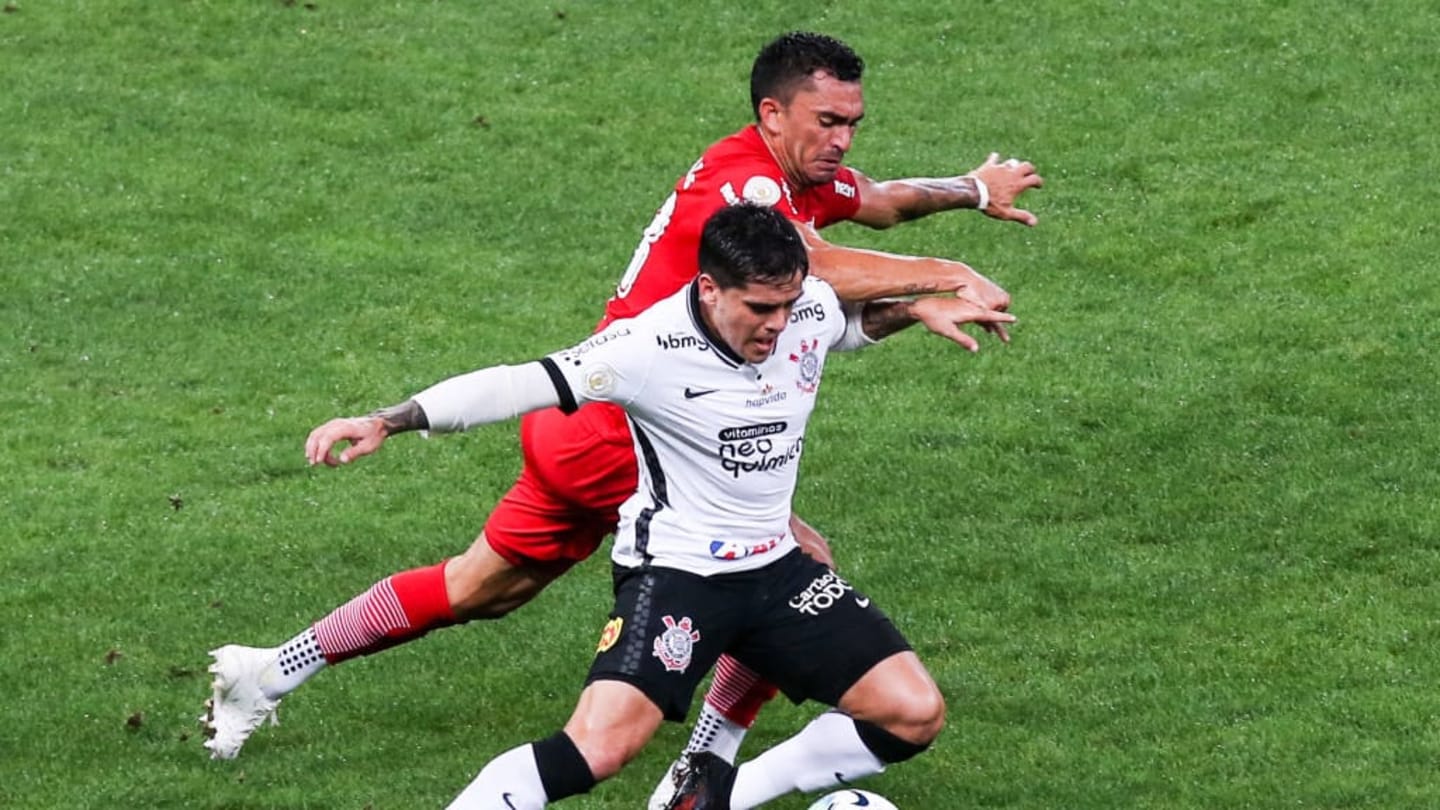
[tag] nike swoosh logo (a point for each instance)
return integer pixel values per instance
(860, 798)
(691, 393)
(505, 797)
(862, 601)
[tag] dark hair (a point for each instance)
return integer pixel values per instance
(791, 59)
(747, 243)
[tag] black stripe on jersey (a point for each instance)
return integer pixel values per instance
(717, 343)
(562, 388)
(652, 463)
(657, 490)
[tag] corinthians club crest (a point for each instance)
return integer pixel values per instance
(809, 366)
(676, 644)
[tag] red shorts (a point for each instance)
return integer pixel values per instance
(578, 470)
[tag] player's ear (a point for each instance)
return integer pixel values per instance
(770, 111)
(708, 288)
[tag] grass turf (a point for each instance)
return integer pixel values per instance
(1176, 547)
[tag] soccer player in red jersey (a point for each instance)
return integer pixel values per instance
(807, 99)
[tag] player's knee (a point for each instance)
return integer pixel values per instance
(606, 755)
(907, 734)
(915, 714)
(899, 696)
(925, 715)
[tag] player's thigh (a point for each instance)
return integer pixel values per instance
(819, 635)
(667, 629)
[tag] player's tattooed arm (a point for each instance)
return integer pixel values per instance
(406, 416)
(992, 188)
(922, 196)
(361, 436)
(881, 319)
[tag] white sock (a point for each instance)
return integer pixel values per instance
(716, 733)
(825, 753)
(510, 781)
(295, 661)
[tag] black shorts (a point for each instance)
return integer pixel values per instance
(795, 622)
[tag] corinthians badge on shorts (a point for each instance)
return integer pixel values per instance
(676, 644)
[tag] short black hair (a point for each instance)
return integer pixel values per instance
(747, 243)
(793, 58)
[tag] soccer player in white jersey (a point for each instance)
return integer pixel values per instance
(577, 470)
(718, 382)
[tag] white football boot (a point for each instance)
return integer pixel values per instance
(238, 704)
(664, 792)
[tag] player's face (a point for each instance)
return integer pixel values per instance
(750, 318)
(812, 133)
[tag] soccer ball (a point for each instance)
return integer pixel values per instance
(852, 799)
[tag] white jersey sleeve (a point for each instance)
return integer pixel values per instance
(608, 366)
(488, 395)
(612, 365)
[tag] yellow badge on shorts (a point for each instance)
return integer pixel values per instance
(610, 634)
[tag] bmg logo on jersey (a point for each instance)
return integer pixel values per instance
(751, 449)
(805, 313)
(821, 594)
(681, 340)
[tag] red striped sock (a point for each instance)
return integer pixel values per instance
(396, 609)
(738, 692)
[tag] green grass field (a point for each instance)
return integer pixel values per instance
(1176, 547)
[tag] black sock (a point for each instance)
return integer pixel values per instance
(563, 771)
(886, 747)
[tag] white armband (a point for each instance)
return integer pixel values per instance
(489, 395)
(982, 194)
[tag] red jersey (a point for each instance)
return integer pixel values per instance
(580, 468)
(737, 168)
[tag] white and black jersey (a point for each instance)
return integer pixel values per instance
(718, 439)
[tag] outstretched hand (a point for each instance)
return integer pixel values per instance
(981, 291)
(944, 315)
(1006, 181)
(364, 434)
